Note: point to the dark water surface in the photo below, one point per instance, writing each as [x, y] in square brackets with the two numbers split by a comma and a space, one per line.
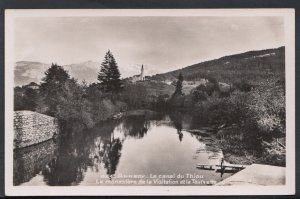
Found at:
[136, 150]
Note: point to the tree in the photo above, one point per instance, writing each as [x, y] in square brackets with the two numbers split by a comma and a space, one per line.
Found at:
[178, 89]
[30, 99]
[73, 107]
[267, 107]
[177, 99]
[109, 75]
[134, 95]
[52, 86]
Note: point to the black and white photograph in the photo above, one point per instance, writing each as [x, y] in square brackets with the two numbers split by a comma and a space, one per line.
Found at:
[150, 102]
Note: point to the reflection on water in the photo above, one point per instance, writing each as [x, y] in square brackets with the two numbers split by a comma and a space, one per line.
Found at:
[31, 160]
[136, 145]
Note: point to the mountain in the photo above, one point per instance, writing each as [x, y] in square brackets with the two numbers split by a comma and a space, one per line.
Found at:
[252, 66]
[87, 71]
[27, 71]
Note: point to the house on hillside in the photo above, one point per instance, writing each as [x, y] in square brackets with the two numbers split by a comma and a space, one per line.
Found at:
[32, 85]
[139, 77]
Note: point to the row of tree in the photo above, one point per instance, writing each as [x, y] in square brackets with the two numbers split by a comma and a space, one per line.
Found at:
[61, 96]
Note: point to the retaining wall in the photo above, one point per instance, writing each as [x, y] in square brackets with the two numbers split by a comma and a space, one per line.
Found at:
[32, 128]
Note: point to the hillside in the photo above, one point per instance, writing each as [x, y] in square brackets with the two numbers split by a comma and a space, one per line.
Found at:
[252, 66]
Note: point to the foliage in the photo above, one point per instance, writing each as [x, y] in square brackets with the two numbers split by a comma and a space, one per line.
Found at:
[52, 86]
[109, 75]
[25, 99]
[135, 96]
[267, 107]
[218, 111]
[161, 102]
[102, 104]
[177, 98]
[178, 87]
[72, 106]
[199, 95]
[243, 85]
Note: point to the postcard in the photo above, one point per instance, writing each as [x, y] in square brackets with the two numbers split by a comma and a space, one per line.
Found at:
[149, 102]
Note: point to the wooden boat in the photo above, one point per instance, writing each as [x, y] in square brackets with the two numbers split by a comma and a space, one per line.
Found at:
[225, 168]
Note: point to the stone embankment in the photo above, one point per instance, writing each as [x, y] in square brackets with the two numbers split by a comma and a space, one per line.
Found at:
[32, 128]
[257, 174]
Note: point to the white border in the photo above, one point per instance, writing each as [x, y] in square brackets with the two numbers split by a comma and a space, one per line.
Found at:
[289, 188]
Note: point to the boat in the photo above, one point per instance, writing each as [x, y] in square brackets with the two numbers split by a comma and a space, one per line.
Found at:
[224, 168]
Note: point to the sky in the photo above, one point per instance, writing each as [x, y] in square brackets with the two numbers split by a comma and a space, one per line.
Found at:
[160, 43]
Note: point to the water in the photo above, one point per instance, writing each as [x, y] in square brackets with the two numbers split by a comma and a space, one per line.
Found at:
[139, 150]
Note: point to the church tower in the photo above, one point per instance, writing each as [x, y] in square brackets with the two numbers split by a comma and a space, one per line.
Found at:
[142, 73]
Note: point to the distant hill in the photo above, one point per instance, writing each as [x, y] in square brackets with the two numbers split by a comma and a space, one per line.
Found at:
[27, 71]
[87, 71]
[252, 66]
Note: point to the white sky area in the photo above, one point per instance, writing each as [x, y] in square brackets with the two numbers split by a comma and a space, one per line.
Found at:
[161, 43]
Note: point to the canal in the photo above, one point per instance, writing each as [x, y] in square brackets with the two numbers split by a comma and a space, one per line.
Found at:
[148, 150]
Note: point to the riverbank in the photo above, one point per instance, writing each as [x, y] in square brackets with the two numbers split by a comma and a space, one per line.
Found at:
[235, 151]
[257, 174]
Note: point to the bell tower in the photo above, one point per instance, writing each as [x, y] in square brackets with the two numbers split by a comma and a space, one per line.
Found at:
[142, 73]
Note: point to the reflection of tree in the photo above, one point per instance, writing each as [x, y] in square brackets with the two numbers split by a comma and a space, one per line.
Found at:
[112, 155]
[180, 135]
[66, 169]
[177, 122]
[96, 149]
[135, 126]
[68, 166]
[29, 161]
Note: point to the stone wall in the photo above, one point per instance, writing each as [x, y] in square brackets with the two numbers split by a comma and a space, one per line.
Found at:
[32, 128]
[30, 161]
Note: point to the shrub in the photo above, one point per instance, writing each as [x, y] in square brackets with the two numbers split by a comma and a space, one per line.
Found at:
[25, 98]
[72, 107]
[135, 96]
[243, 85]
[199, 95]
[267, 107]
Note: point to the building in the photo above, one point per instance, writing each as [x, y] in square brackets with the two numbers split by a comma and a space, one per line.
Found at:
[32, 85]
[140, 77]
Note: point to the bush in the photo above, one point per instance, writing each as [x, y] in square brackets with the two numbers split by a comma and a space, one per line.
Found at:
[267, 108]
[218, 111]
[243, 85]
[135, 96]
[199, 95]
[25, 99]
[72, 107]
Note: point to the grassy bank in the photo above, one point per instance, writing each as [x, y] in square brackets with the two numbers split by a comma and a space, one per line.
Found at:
[238, 151]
